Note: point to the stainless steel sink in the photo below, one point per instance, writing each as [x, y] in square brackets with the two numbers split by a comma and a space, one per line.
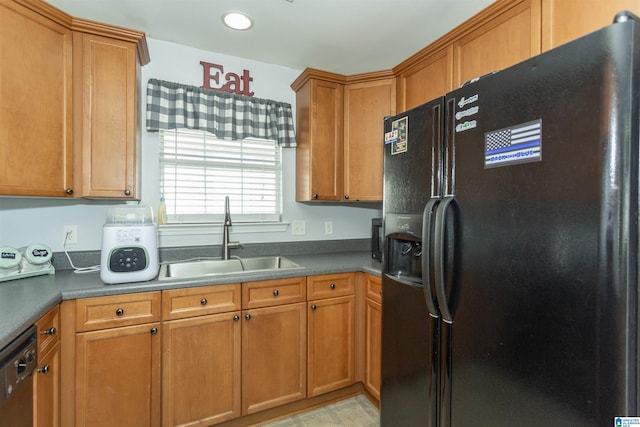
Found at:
[200, 268]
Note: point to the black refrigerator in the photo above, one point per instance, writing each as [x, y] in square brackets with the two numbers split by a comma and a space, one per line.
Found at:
[510, 257]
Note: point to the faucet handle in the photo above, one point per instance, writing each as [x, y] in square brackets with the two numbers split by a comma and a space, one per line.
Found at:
[235, 245]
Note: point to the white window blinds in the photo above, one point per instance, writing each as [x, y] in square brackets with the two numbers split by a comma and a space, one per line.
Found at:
[197, 171]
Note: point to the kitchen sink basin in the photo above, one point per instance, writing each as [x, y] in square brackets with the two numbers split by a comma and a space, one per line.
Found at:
[214, 267]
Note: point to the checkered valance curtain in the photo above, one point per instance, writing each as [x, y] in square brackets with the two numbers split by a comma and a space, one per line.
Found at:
[226, 115]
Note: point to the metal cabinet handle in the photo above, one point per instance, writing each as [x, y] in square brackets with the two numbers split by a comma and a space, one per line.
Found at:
[236, 318]
[313, 307]
[119, 312]
[203, 301]
[44, 369]
[346, 196]
[154, 331]
[315, 196]
[127, 192]
[276, 293]
[50, 331]
[332, 286]
[69, 191]
[247, 316]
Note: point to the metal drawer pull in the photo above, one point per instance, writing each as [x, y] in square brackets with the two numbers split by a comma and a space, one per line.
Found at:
[332, 286]
[203, 301]
[276, 293]
[50, 331]
[154, 331]
[119, 312]
[44, 369]
[247, 316]
[313, 307]
[236, 318]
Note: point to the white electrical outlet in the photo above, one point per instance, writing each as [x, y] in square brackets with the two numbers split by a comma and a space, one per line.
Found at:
[328, 227]
[298, 228]
[70, 234]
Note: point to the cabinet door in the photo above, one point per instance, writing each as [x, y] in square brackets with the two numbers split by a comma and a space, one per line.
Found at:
[106, 116]
[427, 79]
[319, 111]
[373, 348]
[46, 389]
[35, 104]
[565, 20]
[331, 344]
[366, 106]
[118, 377]
[201, 370]
[504, 40]
[273, 356]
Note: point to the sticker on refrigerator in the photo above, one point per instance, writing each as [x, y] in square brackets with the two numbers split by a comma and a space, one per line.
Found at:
[468, 112]
[516, 144]
[469, 124]
[390, 137]
[464, 101]
[626, 421]
[399, 143]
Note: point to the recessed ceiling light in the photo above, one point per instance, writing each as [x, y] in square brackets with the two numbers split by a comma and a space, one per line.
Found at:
[237, 20]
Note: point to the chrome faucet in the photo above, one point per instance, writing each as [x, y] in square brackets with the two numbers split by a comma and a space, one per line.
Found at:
[226, 244]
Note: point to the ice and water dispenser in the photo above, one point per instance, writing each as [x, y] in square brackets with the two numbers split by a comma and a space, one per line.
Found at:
[403, 246]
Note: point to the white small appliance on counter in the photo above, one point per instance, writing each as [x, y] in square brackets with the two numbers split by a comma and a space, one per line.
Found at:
[129, 245]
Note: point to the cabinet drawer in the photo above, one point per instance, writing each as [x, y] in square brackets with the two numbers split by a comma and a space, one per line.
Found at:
[117, 310]
[373, 287]
[273, 292]
[48, 328]
[180, 303]
[330, 285]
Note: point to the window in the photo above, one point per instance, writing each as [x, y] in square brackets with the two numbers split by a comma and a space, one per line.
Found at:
[197, 171]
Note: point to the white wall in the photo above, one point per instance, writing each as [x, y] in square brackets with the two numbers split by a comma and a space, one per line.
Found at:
[25, 220]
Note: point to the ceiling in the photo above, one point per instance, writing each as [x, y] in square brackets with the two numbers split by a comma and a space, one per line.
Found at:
[341, 36]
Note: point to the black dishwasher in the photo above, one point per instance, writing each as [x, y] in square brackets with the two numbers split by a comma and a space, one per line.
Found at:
[18, 360]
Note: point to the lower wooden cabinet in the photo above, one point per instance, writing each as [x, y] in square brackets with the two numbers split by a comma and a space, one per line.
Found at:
[110, 361]
[273, 356]
[118, 377]
[331, 344]
[331, 332]
[46, 379]
[46, 386]
[372, 334]
[201, 370]
[205, 355]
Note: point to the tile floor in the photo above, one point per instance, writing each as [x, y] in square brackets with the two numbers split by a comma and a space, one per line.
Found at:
[357, 411]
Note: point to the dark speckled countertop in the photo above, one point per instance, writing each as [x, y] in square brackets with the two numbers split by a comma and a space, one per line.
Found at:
[24, 301]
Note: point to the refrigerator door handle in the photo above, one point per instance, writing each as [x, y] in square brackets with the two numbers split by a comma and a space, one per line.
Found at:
[438, 259]
[427, 220]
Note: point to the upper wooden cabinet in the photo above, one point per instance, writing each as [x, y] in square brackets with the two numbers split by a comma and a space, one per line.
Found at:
[340, 135]
[563, 20]
[502, 35]
[365, 106]
[421, 79]
[319, 118]
[35, 100]
[69, 109]
[106, 119]
[507, 34]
